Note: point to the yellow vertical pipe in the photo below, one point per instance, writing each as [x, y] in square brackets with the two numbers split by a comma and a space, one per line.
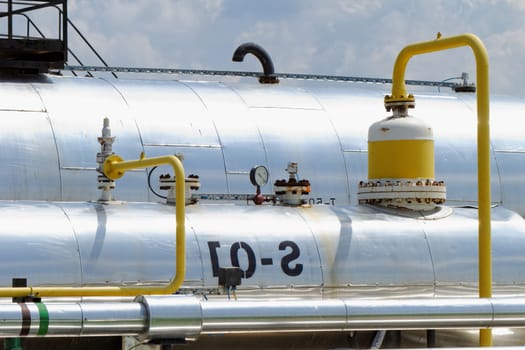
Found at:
[483, 135]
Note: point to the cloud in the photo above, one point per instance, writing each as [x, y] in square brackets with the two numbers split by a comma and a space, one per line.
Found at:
[359, 7]
[507, 50]
[152, 30]
[350, 37]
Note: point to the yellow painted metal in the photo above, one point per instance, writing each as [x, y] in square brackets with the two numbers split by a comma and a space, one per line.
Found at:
[483, 138]
[385, 162]
[114, 168]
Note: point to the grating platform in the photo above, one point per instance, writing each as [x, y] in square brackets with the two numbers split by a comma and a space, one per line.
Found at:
[32, 55]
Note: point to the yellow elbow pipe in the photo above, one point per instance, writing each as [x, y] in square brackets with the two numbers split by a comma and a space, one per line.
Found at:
[114, 168]
[399, 94]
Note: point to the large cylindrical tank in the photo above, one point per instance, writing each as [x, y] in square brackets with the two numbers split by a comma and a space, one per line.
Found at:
[282, 251]
[50, 127]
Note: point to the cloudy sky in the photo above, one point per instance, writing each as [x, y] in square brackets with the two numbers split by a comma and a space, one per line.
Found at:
[343, 37]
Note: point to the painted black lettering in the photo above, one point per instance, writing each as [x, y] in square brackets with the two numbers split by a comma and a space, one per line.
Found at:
[234, 255]
[266, 261]
[213, 246]
[287, 259]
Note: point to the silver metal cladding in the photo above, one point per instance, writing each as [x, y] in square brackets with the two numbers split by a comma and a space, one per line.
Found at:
[72, 319]
[50, 130]
[507, 313]
[107, 318]
[179, 317]
[412, 314]
[273, 316]
[172, 316]
[321, 251]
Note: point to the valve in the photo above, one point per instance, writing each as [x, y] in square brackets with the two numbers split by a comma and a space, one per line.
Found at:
[168, 182]
[192, 183]
[291, 191]
[106, 149]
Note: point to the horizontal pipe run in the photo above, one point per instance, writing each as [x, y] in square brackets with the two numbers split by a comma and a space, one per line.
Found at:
[175, 316]
[71, 319]
[115, 168]
[274, 316]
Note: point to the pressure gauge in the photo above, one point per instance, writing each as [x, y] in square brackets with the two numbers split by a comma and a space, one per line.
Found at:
[259, 175]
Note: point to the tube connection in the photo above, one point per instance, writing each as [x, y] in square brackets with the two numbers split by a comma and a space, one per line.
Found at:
[399, 94]
[106, 149]
[264, 58]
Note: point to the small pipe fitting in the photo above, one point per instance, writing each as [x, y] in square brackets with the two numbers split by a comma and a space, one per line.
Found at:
[263, 57]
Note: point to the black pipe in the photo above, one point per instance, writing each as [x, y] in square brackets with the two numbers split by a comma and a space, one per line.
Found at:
[263, 57]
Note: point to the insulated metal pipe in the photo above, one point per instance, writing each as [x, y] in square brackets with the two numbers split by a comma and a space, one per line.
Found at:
[176, 316]
[72, 319]
[338, 314]
[274, 316]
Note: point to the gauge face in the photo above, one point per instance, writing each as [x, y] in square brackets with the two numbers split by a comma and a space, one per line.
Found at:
[259, 176]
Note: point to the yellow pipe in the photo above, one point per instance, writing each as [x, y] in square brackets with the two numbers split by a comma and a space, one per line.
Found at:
[114, 168]
[399, 94]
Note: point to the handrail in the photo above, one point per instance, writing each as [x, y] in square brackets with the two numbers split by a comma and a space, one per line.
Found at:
[63, 27]
[114, 168]
[88, 44]
[54, 3]
[216, 73]
[399, 94]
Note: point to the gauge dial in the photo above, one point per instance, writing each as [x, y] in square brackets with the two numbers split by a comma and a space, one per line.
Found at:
[259, 175]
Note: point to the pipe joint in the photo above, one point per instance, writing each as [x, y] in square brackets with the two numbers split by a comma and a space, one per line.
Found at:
[264, 58]
[400, 103]
[108, 167]
[171, 316]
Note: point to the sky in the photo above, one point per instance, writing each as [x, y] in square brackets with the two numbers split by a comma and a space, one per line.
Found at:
[336, 37]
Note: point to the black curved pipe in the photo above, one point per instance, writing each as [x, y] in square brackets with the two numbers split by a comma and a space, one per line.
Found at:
[263, 57]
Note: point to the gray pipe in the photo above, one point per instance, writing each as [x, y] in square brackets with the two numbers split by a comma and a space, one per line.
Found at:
[174, 316]
[72, 319]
